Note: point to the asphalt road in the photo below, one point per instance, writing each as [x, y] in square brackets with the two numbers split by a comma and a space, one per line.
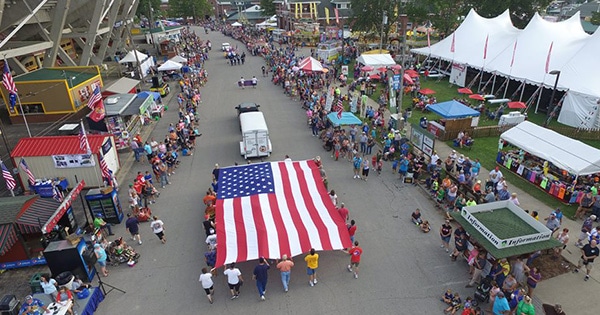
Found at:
[403, 271]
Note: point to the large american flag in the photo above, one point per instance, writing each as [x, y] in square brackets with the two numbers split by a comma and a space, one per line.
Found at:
[10, 181]
[84, 145]
[26, 169]
[275, 208]
[9, 84]
[95, 98]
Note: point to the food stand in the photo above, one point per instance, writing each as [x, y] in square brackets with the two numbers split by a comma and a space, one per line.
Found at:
[562, 167]
[455, 117]
[329, 50]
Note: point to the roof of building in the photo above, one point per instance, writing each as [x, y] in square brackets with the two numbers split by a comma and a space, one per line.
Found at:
[250, 16]
[55, 145]
[10, 207]
[73, 76]
[588, 27]
[166, 29]
[585, 10]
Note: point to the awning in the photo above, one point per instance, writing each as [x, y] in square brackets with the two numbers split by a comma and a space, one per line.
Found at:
[8, 238]
[122, 86]
[274, 208]
[63, 207]
[35, 214]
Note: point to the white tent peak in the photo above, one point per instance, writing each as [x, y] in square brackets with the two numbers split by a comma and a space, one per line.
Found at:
[130, 57]
[170, 65]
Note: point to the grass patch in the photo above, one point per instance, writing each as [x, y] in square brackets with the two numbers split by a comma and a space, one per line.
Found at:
[504, 223]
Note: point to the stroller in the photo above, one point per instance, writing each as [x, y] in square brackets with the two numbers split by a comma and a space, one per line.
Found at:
[121, 254]
[482, 293]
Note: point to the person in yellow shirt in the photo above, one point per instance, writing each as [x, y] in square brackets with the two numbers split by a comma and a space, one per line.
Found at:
[312, 263]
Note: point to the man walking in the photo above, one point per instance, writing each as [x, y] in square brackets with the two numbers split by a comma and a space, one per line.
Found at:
[132, 225]
[355, 252]
[234, 280]
[285, 267]
[261, 275]
[312, 263]
[589, 252]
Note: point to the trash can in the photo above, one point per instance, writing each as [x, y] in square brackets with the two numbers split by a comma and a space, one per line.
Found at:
[9, 305]
[34, 283]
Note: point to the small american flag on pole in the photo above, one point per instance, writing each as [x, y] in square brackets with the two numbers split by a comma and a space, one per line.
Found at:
[105, 170]
[26, 169]
[10, 181]
[95, 98]
[84, 145]
[339, 108]
[57, 194]
[9, 84]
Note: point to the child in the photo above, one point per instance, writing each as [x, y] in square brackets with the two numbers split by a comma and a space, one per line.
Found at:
[455, 304]
[416, 217]
[447, 297]
[425, 228]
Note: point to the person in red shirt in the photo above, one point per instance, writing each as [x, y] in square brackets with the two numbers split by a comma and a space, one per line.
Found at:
[352, 229]
[355, 252]
[343, 211]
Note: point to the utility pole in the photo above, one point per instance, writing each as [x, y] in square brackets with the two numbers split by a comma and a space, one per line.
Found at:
[403, 22]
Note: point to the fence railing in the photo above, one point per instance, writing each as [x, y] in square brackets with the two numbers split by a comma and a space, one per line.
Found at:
[495, 131]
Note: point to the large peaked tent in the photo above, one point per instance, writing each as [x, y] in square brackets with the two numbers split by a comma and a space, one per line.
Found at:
[525, 55]
[572, 155]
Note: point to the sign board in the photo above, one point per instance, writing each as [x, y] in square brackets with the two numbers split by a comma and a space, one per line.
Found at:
[396, 81]
[458, 74]
[392, 96]
[422, 139]
[73, 160]
[345, 70]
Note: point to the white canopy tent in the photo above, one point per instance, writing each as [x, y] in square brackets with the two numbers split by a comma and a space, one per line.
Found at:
[376, 60]
[130, 57]
[572, 155]
[236, 24]
[179, 59]
[170, 66]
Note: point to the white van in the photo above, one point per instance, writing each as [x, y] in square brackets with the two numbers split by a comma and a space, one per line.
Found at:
[255, 135]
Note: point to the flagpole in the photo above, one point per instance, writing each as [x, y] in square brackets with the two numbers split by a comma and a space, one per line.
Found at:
[7, 68]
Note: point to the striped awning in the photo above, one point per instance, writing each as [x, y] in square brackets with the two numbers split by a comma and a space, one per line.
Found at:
[35, 214]
[8, 238]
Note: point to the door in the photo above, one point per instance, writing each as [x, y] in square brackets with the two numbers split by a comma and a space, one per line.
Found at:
[262, 142]
[250, 144]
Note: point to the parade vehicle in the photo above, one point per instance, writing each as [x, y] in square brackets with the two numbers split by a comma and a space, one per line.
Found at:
[255, 135]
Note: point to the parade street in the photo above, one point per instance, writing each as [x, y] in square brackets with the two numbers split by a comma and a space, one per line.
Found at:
[403, 271]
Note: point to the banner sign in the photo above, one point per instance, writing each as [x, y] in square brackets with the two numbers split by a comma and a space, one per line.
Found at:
[73, 160]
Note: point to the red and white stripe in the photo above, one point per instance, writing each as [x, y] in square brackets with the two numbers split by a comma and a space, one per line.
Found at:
[298, 216]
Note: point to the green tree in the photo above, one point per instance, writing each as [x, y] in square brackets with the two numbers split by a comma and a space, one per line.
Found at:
[268, 7]
[595, 18]
[367, 15]
[521, 11]
[194, 8]
[143, 8]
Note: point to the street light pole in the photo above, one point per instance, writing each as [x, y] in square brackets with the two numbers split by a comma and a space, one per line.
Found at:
[551, 104]
[384, 21]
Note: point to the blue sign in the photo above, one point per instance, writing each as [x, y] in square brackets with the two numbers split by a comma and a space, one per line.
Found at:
[23, 263]
[396, 82]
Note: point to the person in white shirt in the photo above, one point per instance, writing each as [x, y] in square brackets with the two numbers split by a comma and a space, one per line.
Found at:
[234, 280]
[211, 240]
[158, 228]
[207, 284]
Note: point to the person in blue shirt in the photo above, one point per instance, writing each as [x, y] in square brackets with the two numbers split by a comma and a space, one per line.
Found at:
[501, 305]
[261, 275]
[33, 306]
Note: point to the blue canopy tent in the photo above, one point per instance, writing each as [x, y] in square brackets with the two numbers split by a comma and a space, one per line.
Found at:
[155, 96]
[347, 119]
[453, 110]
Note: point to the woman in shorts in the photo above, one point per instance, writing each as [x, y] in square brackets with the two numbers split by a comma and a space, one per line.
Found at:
[207, 284]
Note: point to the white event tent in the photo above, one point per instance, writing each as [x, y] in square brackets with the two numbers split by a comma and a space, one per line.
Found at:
[376, 60]
[525, 55]
[572, 155]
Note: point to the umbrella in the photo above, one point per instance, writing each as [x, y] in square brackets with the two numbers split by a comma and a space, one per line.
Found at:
[412, 73]
[408, 79]
[367, 68]
[294, 68]
[396, 67]
[374, 77]
[236, 24]
[517, 105]
[426, 91]
[310, 64]
[477, 97]
[382, 69]
[465, 91]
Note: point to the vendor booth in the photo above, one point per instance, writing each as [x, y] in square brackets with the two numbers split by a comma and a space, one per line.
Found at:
[121, 86]
[156, 109]
[37, 221]
[455, 117]
[131, 60]
[49, 94]
[329, 50]
[504, 230]
[124, 117]
[61, 156]
[561, 166]
[376, 60]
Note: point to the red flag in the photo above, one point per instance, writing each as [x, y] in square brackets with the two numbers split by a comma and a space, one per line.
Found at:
[485, 47]
[512, 60]
[548, 58]
[337, 15]
[289, 213]
[452, 46]
[428, 40]
[339, 108]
